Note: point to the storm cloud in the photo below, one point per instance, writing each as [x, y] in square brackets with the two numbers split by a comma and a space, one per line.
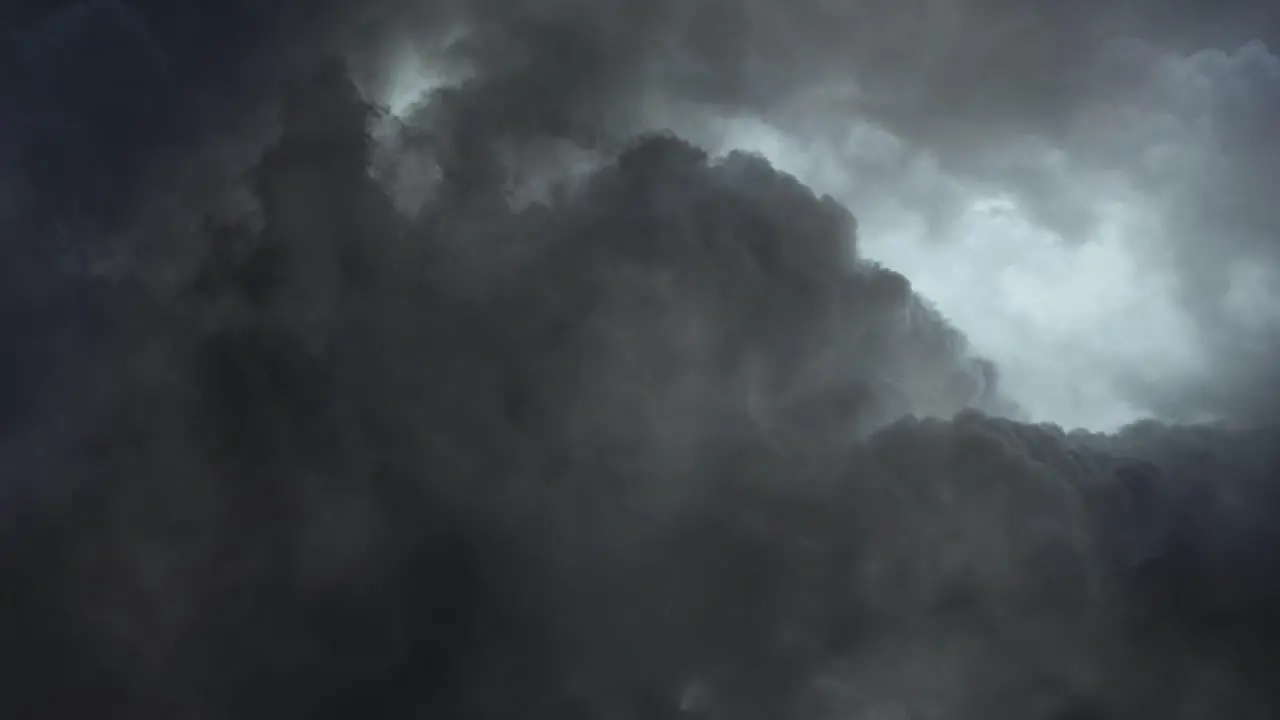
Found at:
[532, 398]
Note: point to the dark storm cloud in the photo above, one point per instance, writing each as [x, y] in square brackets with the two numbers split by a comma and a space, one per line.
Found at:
[991, 89]
[646, 448]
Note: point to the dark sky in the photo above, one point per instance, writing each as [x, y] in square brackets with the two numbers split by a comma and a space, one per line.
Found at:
[666, 440]
[98, 91]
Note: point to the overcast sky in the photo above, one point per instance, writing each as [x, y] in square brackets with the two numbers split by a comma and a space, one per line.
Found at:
[232, 372]
[1088, 190]
[1104, 227]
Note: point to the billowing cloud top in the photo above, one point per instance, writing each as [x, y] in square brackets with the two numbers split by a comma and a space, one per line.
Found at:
[525, 400]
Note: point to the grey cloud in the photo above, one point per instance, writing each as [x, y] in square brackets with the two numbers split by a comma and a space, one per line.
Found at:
[1195, 132]
[663, 443]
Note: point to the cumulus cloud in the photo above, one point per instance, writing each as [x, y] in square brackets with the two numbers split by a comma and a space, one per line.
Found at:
[507, 405]
[1134, 133]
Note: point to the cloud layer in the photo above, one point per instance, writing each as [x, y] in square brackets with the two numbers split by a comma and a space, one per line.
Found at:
[507, 407]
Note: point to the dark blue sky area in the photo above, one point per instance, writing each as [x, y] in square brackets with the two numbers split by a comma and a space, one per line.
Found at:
[88, 91]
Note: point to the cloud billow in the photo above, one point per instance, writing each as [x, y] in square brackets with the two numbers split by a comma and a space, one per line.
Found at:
[660, 441]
